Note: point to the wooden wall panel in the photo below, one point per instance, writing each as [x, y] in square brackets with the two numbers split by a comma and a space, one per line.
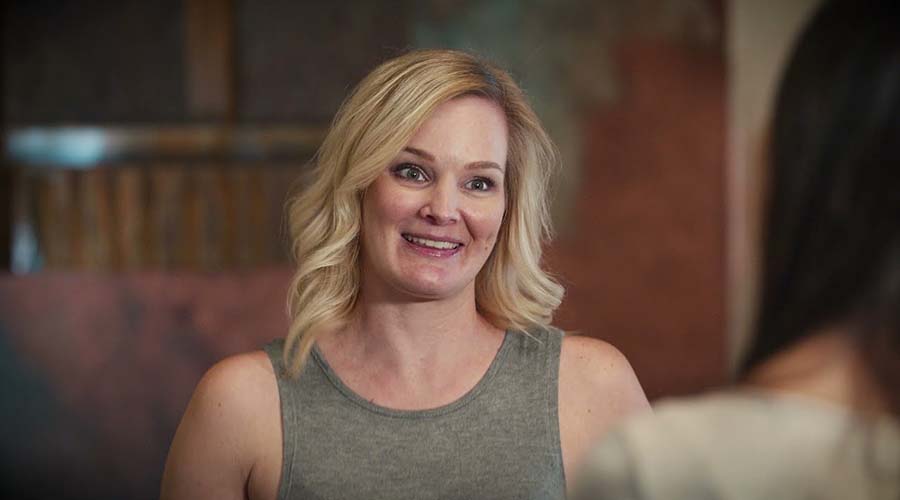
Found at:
[130, 237]
[204, 217]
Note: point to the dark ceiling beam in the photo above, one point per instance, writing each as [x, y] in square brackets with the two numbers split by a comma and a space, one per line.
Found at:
[209, 60]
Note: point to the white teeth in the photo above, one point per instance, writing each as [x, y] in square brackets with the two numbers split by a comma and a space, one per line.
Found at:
[440, 245]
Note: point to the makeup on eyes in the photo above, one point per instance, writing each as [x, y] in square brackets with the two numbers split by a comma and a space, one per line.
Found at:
[414, 173]
[404, 171]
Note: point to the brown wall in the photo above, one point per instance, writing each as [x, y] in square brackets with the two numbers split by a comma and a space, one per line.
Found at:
[644, 270]
[97, 370]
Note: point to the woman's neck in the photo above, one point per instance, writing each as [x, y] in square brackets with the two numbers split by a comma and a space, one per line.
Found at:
[419, 327]
[828, 366]
[413, 354]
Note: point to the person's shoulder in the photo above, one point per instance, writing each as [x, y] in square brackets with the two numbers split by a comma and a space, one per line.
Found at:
[591, 350]
[771, 421]
[596, 368]
[689, 445]
[250, 366]
[234, 390]
[230, 424]
[246, 364]
[238, 385]
[649, 456]
[597, 390]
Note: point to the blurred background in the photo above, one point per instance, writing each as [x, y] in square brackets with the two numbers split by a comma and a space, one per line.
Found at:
[149, 147]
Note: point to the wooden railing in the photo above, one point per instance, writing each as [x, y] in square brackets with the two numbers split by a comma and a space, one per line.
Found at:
[188, 199]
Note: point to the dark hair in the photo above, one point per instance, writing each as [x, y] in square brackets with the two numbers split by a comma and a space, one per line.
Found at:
[831, 241]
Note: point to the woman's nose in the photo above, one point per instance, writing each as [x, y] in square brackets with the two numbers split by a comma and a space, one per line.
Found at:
[442, 206]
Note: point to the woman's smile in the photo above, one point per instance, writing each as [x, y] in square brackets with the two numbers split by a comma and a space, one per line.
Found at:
[433, 246]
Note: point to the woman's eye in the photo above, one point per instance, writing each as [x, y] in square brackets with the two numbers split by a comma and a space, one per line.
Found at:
[480, 184]
[410, 173]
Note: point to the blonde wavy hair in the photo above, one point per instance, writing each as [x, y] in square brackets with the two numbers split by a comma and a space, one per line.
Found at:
[371, 127]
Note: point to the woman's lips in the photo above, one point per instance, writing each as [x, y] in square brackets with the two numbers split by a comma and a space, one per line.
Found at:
[431, 246]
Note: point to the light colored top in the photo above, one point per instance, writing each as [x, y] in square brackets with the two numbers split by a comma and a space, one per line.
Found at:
[746, 445]
[500, 440]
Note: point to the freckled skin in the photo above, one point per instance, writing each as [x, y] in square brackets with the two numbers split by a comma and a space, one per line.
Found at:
[438, 194]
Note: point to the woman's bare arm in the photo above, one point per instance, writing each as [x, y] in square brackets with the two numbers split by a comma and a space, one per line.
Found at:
[225, 432]
[597, 389]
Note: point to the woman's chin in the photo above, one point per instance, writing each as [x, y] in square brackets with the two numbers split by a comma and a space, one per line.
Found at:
[422, 290]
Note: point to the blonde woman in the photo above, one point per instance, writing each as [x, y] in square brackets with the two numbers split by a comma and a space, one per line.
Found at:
[420, 362]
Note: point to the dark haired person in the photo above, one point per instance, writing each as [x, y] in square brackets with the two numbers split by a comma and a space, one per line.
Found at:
[816, 414]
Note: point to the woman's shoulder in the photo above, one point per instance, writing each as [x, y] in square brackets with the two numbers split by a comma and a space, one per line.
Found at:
[597, 389]
[595, 368]
[237, 394]
[237, 390]
[239, 373]
[229, 428]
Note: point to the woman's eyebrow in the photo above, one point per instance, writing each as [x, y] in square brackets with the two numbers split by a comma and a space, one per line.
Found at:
[471, 166]
[482, 165]
[418, 152]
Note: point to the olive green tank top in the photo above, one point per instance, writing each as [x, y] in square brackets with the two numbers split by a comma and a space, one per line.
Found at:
[500, 440]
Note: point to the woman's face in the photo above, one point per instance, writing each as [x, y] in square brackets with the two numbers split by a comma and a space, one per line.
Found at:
[430, 220]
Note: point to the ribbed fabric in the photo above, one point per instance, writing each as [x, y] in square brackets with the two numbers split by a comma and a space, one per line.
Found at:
[499, 441]
[746, 445]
